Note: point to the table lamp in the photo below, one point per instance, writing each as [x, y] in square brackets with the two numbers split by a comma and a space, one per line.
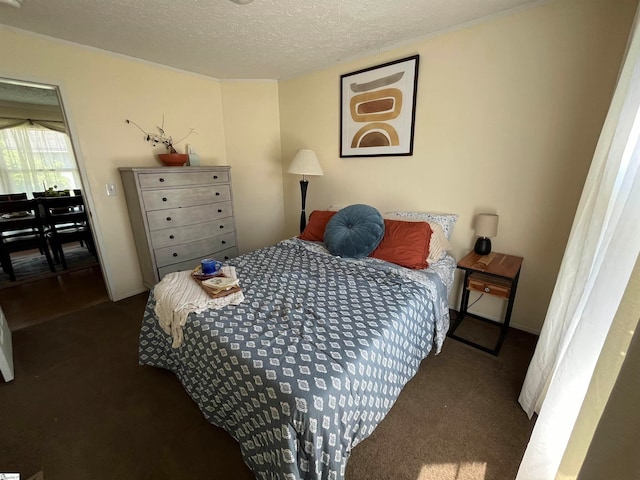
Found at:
[304, 163]
[486, 227]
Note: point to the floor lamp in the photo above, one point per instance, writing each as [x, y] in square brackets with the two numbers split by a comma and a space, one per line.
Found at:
[304, 163]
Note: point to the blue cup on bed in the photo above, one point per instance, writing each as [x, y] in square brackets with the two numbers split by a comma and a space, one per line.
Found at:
[210, 266]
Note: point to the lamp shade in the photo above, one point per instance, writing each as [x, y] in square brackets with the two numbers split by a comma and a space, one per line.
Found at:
[486, 225]
[305, 162]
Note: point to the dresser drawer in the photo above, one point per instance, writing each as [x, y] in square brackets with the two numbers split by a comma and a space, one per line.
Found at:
[182, 179]
[489, 285]
[193, 250]
[185, 197]
[179, 217]
[177, 235]
[191, 264]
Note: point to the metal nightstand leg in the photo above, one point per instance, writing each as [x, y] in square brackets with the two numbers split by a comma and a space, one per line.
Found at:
[507, 317]
[504, 327]
[464, 301]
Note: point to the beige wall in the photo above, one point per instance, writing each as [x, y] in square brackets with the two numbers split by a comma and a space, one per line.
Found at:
[508, 116]
[252, 136]
[100, 91]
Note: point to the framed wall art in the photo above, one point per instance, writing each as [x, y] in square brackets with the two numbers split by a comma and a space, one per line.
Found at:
[378, 108]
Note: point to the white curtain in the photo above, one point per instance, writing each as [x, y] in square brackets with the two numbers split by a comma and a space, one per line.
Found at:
[602, 249]
[34, 158]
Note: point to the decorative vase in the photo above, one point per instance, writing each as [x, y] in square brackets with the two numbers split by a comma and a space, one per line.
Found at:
[483, 246]
[173, 159]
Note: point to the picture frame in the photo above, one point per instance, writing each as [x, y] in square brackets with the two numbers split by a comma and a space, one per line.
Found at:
[378, 108]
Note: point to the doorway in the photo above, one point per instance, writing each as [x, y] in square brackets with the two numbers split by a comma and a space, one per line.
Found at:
[37, 159]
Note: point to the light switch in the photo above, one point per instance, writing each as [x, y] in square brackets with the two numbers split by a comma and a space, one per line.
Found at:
[111, 189]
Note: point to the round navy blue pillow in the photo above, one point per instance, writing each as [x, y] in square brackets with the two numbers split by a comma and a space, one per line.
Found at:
[354, 232]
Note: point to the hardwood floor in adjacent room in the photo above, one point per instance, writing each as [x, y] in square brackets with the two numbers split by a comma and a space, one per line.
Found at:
[36, 301]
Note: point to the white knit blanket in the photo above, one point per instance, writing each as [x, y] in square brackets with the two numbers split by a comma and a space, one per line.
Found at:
[178, 294]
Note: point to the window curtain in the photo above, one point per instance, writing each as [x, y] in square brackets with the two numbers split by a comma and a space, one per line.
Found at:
[602, 249]
[34, 158]
[16, 122]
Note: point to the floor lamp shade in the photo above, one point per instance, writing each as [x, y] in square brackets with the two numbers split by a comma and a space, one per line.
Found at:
[305, 162]
[486, 227]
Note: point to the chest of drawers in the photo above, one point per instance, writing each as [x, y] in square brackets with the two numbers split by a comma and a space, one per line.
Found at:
[179, 216]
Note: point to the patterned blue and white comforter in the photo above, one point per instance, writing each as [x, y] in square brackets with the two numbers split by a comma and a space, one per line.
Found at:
[313, 359]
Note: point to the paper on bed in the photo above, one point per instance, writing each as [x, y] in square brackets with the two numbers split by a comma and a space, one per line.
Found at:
[177, 295]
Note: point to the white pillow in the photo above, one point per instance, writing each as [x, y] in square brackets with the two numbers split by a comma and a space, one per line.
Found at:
[438, 245]
[446, 220]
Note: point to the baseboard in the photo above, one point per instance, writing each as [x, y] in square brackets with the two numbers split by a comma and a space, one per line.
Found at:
[525, 329]
[130, 293]
[511, 325]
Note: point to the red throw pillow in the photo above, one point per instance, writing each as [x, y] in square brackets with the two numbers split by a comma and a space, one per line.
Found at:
[404, 243]
[314, 231]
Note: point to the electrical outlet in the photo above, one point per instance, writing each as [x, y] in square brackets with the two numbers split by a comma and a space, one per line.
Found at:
[111, 189]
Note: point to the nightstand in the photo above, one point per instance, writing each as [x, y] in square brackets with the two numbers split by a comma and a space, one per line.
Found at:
[495, 274]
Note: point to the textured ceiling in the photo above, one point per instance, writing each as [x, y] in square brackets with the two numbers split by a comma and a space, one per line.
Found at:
[265, 39]
[11, 92]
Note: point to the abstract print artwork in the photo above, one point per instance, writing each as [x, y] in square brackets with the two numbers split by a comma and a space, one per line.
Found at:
[377, 109]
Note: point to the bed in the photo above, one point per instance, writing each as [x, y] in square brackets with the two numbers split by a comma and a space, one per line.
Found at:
[312, 359]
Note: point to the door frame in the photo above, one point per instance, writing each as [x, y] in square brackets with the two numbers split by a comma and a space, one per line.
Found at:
[82, 171]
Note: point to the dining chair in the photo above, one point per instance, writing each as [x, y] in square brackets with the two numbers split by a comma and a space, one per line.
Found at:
[8, 197]
[21, 229]
[61, 193]
[66, 221]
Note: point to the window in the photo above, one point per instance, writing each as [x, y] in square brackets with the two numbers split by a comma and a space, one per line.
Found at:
[33, 158]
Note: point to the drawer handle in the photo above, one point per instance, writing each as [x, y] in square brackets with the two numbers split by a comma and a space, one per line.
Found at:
[215, 177]
[221, 226]
[164, 199]
[487, 289]
[171, 237]
[168, 219]
[224, 242]
[219, 210]
[161, 180]
[175, 254]
[217, 194]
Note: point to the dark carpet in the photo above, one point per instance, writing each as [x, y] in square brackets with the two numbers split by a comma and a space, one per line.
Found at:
[81, 407]
[31, 265]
